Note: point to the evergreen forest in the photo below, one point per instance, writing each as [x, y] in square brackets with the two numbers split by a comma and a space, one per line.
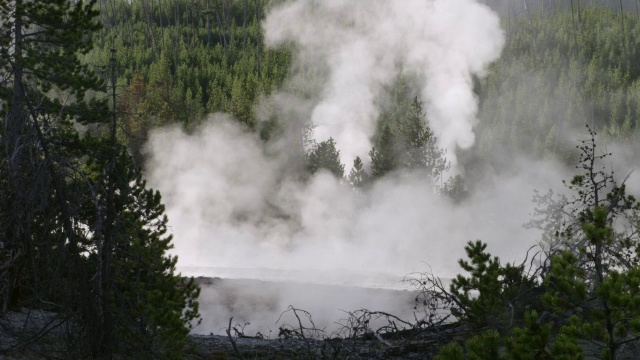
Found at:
[86, 267]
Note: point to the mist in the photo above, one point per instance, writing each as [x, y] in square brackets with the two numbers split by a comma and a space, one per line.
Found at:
[233, 215]
[442, 44]
[239, 209]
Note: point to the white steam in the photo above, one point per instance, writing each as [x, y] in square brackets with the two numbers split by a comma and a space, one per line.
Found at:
[366, 44]
[234, 215]
[238, 210]
[230, 208]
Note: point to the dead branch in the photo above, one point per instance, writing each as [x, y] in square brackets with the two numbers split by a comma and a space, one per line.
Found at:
[233, 342]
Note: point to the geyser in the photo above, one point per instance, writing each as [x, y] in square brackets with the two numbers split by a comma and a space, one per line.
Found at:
[365, 44]
[235, 202]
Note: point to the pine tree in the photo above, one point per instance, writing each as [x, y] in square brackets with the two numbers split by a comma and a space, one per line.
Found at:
[407, 144]
[154, 308]
[492, 294]
[592, 277]
[419, 145]
[82, 237]
[43, 96]
[358, 177]
[325, 156]
[383, 157]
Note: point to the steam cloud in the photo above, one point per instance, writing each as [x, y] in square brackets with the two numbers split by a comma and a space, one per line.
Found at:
[237, 205]
[234, 215]
[365, 44]
[230, 207]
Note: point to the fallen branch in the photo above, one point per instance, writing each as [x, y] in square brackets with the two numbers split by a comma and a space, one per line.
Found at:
[382, 340]
[233, 342]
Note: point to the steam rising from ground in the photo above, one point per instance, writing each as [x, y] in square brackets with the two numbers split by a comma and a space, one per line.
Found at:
[235, 203]
[365, 44]
[230, 207]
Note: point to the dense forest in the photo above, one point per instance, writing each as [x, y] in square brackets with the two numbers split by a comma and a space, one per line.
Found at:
[208, 57]
[84, 243]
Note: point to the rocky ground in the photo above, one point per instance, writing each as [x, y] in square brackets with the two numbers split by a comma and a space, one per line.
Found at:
[423, 346]
[265, 306]
[292, 340]
[221, 347]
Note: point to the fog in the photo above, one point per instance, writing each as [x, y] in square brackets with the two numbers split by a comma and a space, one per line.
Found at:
[239, 209]
[364, 44]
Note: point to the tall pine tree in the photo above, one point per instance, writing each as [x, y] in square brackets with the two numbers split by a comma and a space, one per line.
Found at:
[81, 236]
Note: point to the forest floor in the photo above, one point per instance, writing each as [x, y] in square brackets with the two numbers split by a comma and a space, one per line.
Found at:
[260, 305]
[422, 346]
[221, 347]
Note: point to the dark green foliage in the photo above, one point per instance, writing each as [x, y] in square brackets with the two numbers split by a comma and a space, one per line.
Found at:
[184, 59]
[383, 158]
[407, 144]
[456, 189]
[155, 308]
[534, 341]
[604, 300]
[358, 177]
[590, 290]
[492, 295]
[480, 347]
[531, 341]
[484, 346]
[565, 282]
[42, 95]
[597, 266]
[83, 239]
[325, 156]
[554, 76]
[589, 297]
[451, 351]
[418, 144]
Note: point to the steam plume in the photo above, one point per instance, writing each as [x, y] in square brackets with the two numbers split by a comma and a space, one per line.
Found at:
[230, 208]
[365, 44]
[234, 205]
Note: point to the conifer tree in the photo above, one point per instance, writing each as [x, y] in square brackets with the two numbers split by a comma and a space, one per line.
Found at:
[82, 237]
[325, 156]
[407, 144]
[153, 307]
[43, 96]
[358, 177]
[589, 290]
[383, 157]
[594, 269]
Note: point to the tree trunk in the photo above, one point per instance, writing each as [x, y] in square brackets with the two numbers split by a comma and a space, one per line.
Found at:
[579, 14]
[259, 51]
[123, 11]
[226, 10]
[14, 155]
[176, 38]
[146, 18]
[111, 237]
[221, 27]
[161, 25]
[115, 18]
[131, 21]
[103, 22]
[622, 17]
[16, 121]
[176, 8]
[208, 23]
[573, 25]
[526, 7]
[244, 27]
